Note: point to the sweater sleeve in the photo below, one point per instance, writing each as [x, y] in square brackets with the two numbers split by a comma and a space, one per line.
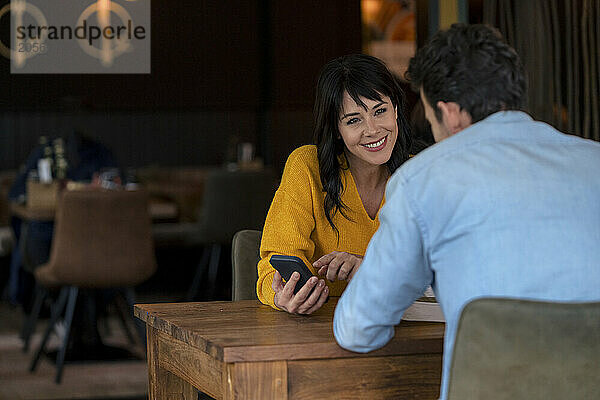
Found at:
[290, 220]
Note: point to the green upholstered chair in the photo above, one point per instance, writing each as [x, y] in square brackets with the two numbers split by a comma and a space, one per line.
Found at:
[245, 254]
[232, 201]
[518, 349]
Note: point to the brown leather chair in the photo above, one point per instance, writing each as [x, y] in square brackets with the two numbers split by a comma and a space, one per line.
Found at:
[518, 349]
[102, 239]
[245, 254]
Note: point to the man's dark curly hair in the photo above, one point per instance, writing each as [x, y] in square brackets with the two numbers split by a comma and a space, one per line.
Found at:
[472, 66]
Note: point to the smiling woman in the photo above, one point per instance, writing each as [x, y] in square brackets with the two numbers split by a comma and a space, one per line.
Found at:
[327, 206]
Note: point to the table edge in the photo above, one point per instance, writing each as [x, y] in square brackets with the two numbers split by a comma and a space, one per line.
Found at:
[231, 354]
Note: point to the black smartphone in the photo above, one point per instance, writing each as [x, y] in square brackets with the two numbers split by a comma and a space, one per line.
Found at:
[286, 265]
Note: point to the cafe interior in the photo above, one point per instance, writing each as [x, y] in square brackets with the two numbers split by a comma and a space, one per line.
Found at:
[179, 167]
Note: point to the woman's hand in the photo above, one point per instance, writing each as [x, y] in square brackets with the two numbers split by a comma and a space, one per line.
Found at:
[301, 302]
[338, 265]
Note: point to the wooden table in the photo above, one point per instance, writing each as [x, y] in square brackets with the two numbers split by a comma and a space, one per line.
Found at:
[158, 210]
[32, 214]
[244, 350]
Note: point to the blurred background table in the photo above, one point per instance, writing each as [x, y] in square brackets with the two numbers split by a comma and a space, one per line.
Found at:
[159, 209]
[32, 214]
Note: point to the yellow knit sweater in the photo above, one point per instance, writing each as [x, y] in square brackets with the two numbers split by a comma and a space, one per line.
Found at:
[296, 224]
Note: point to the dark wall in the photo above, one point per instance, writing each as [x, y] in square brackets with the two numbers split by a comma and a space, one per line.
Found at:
[220, 70]
[203, 56]
[305, 35]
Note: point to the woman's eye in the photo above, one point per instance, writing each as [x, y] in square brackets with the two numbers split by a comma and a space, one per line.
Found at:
[380, 111]
[352, 121]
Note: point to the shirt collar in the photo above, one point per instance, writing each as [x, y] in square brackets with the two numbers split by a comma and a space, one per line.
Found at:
[507, 116]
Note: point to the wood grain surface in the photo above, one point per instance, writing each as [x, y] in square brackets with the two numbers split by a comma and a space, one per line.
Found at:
[257, 380]
[249, 331]
[389, 377]
[244, 350]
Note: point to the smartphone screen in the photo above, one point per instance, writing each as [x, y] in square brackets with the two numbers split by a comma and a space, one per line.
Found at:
[286, 265]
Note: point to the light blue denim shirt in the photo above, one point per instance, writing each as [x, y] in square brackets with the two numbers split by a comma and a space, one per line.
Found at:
[508, 207]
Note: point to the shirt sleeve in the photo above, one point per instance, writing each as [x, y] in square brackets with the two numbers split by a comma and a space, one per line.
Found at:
[288, 226]
[393, 274]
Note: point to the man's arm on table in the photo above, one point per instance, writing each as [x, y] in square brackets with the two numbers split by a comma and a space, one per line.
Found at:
[393, 274]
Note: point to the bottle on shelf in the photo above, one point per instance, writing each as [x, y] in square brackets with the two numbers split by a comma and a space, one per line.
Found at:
[131, 180]
[60, 161]
[45, 162]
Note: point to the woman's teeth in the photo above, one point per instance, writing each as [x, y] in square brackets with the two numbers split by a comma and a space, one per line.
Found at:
[376, 144]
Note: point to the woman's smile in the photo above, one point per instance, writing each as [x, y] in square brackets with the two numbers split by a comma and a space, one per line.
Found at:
[376, 146]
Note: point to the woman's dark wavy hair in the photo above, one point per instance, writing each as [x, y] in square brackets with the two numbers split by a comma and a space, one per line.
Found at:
[472, 66]
[361, 76]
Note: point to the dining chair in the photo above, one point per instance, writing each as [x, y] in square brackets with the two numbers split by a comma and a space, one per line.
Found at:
[102, 239]
[245, 254]
[232, 201]
[520, 349]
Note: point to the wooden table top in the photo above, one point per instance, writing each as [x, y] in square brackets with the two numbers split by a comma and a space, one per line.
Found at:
[158, 210]
[32, 214]
[249, 331]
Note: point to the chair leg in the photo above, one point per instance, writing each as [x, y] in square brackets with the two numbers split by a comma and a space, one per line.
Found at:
[41, 293]
[125, 313]
[60, 358]
[139, 326]
[57, 310]
[104, 325]
[213, 268]
[202, 265]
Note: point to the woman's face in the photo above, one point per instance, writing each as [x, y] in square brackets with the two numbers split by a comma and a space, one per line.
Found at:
[369, 134]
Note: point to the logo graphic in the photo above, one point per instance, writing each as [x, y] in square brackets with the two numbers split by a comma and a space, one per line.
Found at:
[17, 9]
[78, 36]
[107, 52]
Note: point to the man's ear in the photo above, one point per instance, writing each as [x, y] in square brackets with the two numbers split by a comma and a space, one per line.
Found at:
[453, 118]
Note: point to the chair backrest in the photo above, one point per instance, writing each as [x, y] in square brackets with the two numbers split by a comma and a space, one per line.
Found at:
[102, 238]
[518, 349]
[234, 201]
[245, 254]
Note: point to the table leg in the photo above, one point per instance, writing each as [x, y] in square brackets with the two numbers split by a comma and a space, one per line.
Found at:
[256, 380]
[163, 385]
